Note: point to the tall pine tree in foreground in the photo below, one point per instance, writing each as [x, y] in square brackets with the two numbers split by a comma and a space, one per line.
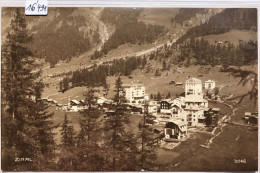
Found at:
[90, 156]
[120, 144]
[66, 156]
[147, 156]
[26, 129]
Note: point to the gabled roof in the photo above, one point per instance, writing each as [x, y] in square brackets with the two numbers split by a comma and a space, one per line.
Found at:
[193, 80]
[75, 101]
[132, 85]
[174, 105]
[209, 81]
[167, 100]
[178, 123]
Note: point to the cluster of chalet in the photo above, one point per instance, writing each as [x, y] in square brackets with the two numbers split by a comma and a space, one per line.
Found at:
[190, 110]
[134, 94]
[72, 106]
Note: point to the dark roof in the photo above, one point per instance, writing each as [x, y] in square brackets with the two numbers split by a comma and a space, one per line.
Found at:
[174, 123]
[170, 125]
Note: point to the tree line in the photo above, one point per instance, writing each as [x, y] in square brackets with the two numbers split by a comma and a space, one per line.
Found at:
[97, 75]
[218, 54]
[127, 29]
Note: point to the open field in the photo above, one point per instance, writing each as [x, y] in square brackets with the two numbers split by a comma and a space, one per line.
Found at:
[224, 109]
[74, 93]
[165, 157]
[159, 16]
[233, 36]
[223, 150]
[224, 81]
[58, 118]
[247, 105]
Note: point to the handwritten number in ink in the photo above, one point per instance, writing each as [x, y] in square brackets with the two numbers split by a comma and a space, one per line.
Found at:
[33, 6]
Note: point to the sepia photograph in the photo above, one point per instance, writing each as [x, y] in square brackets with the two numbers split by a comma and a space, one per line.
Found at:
[129, 89]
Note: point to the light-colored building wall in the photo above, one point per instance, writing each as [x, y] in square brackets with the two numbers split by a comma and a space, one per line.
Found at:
[134, 92]
[210, 84]
[178, 114]
[193, 116]
[74, 108]
[193, 88]
[166, 111]
[196, 103]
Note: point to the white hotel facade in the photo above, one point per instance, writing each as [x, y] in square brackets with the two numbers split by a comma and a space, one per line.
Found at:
[134, 93]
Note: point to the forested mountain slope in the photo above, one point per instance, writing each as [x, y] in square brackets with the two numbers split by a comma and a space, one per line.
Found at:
[228, 19]
[127, 29]
[62, 34]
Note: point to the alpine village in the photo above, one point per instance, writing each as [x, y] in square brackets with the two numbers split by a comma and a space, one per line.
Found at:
[129, 89]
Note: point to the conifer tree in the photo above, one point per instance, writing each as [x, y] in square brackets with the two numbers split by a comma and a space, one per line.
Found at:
[119, 142]
[90, 156]
[29, 133]
[168, 95]
[88, 124]
[151, 96]
[106, 88]
[147, 152]
[159, 97]
[67, 133]
[164, 65]
[66, 156]
[61, 85]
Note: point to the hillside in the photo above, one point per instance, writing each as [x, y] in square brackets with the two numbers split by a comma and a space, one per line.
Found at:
[224, 21]
[228, 85]
[127, 29]
[64, 33]
[227, 38]
[232, 36]
[158, 16]
[175, 31]
[188, 13]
